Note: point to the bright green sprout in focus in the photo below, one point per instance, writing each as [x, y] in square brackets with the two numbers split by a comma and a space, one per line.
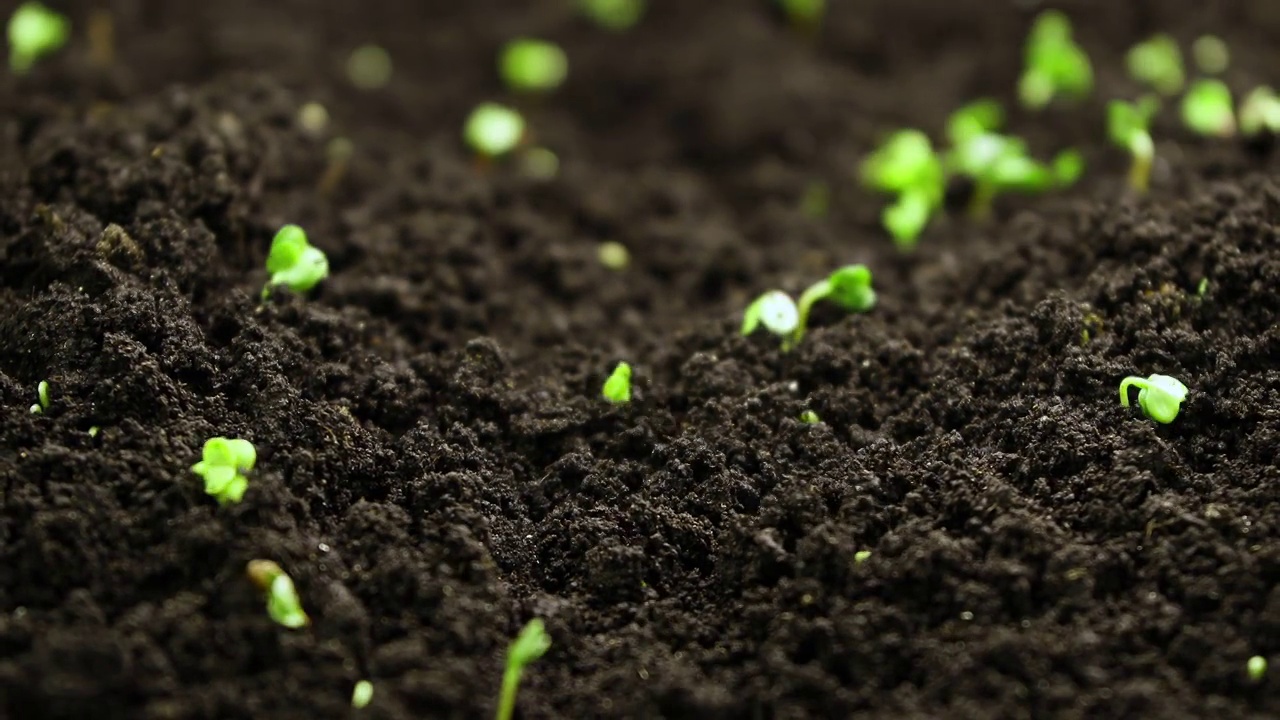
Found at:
[1211, 54]
[223, 467]
[494, 130]
[1257, 668]
[1207, 109]
[809, 417]
[805, 15]
[616, 15]
[529, 65]
[35, 31]
[1260, 113]
[617, 389]
[531, 644]
[283, 604]
[1159, 396]
[1127, 126]
[369, 67]
[907, 166]
[42, 396]
[1157, 62]
[861, 556]
[613, 255]
[777, 312]
[362, 694]
[1055, 66]
[294, 262]
[849, 287]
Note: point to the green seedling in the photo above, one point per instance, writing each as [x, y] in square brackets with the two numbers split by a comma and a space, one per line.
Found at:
[616, 15]
[975, 119]
[809, 417]
[907, 166]
[223, 467]
[1207, 109]
[1127, 126]
[1260, 113]
[1157, 62]
[1203, 287]
[804, 15]
[1159, 396]
[1256, 668]
[369, 67]
[42, 398]
[94, 430]
[1211, 54]
[283, 604]
[34, 32]
[294, 262]
[617, 389]
[861, 556]
[539, 163]
[494, 130]
[777, 312]
[1055, 66]
[1068, 167]
[907, 217]
[849, 287]
[362, 694]
[531, 644]
[529, 65]
[613, 255]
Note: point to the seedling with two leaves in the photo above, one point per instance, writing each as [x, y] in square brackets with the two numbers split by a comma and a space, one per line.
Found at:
[1159, 396]
[848, 287]
[42, 398]
[906, 166]
[294, 262]
[617, 389]
[1055, 66]
[1128, 125]
[34, 31]
[223, 467]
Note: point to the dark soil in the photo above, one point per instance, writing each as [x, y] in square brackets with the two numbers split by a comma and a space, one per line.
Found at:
[436, 466]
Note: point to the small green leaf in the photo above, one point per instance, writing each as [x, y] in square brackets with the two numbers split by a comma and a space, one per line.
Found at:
[809, 417]
[906, 160]
[617, 388]
[1256, 668]
[362, 694]
[1068, 167]
[294, 262]
[976, 118]
[531, 644]
[529, 65]
[615, 15]
[1157, 62]
[850, 288]
[1207, 108]
[283, 604]
[1211, 54]
[775, 310]
[1260, 112]
[493, 130]
[1159, 396]
[907, 218]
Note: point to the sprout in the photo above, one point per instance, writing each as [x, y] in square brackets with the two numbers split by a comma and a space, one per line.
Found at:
[369, 67]
[313, 118]
[861, 556]
[616, 15]
[283, 604]
[995, 162]
[849, 287]
[494, 130]
[531, 644]
[42, 397]
[804, 14]
[613, 255]
[1054, 65]
[1157, 62]
[1127, 125]
[809, 417]
[1159, 396]
[1211, 54]
[777, 312]
[1203, 287]
[361, 694]
[977, 118]
[529, 65]
[1260, 113]
[35, 31]
[223, 466]
[1207, 108]
[94, 430]
[906, 165]
[294, 262]
[617, 389]
[539, 163]
[1068, 166]
[906, 218]
[1256, 667]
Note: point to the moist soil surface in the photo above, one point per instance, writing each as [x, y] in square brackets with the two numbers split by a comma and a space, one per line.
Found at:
[436, 465]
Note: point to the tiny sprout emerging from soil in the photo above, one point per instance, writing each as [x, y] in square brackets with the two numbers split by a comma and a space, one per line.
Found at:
[1260, 113]
[861, 556]
[223, 467]
[977, 118]
[809, 417]
[93, 431]
[35, 31]
[494, 130]
[369, 67]
[849, 287]
[294, 262]
[1159, 396]
[283, 604]
[1257, 668]
[907, 166]
[1157, 62]
[1207, 108]
[1054, 64]
[777, 312]
[531, 644]
[313, 118]
[42, 396]
[616, 15]
[529, 65]
[613, 255]
[617, 389]
[1203, 287]
[539, 163]
[804, 14]
[361, 694]
[1211, 54]
[1127, 125]
[997, 163]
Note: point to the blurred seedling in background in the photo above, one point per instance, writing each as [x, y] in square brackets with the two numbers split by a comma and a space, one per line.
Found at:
[906, 165]
[531, 644]
[1157, 63]
[34, 32]
[809, 417]
[615, 15]
[848, 287]
[283, 604]
[1159, 396]
[1260, 113]
[362, 694]
[1256, 668]
[804, 15]
[294, 262]
[369, 67]
[1211, 54]
[1127, 126]
[1054, 65]
[613, 255]
[494, 130]
[42, 396]
[529, 65]
[777, 312]
[617, 388]
[1208, 109]
[223, 467]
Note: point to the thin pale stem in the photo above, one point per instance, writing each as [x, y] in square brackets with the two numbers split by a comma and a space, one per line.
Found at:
[1131, 381]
